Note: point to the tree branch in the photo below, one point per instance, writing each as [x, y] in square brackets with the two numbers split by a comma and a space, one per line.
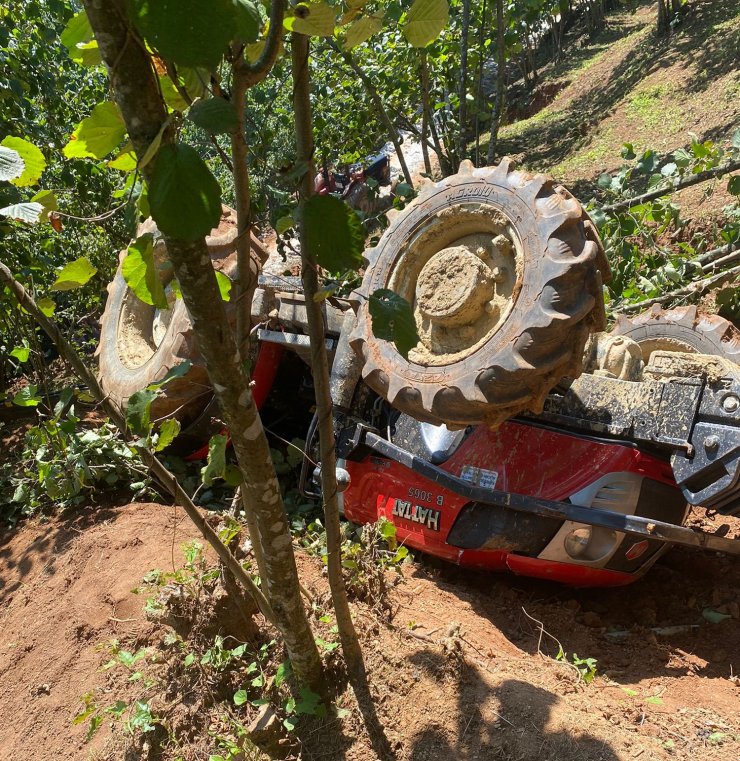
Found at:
[249, 74]
[378, 103]
[694, 179]
[692, 289]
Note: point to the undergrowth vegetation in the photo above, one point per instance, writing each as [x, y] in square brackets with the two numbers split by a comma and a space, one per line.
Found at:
[653, 251]
[210, 672]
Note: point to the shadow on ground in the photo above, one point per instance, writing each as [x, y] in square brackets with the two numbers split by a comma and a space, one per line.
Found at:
[510, 722]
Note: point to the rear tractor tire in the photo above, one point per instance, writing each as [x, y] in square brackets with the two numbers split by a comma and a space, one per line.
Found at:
[140, 344]
[504, 273]
[682, 329]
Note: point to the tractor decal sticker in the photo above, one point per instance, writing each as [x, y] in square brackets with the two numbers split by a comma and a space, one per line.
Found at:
[479, 477]
[426, 516]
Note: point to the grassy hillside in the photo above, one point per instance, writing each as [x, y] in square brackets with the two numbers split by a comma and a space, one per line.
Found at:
[627, 85]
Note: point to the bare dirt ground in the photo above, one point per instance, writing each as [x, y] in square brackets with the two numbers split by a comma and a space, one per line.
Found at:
[459, 669]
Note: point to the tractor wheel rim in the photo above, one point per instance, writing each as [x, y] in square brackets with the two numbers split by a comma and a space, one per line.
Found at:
[461, 274]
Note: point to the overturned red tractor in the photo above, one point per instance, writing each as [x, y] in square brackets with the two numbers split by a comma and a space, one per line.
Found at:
[516, 434]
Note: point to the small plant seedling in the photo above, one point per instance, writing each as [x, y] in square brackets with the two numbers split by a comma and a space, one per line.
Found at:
[586, 667]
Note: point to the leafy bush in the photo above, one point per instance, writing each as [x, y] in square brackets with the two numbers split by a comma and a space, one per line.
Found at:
[64, 463]
[643, 242]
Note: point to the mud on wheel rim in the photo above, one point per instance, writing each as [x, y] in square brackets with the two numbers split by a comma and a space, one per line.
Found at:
[504, 273]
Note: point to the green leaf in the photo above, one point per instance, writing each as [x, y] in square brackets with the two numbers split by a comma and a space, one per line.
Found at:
[284, 224]
[404, 189]
[11, 164]
[86, 53]
[95, 722]
[309, 702]
[48, 201]
[316, 19]
[117, 709]
[138, 411]
[322, 643]
[284, 670]
[171, 95]
[334, 234]
[34, 160]
[77, 30]
[153, 147]
[27, 396]
[140, 272]
[361, 30]
[167, 433]
[240, 697]
[188, 32]
[224, 286]
[425, 20]
[29, 212]
[184, 197]
[387, 530]
[47, 306]
[393, 320]
[21, 353]
[74, 275]
[682, 157]
[98, 134]
[214, 115]
[669, 169]
[628, 151]
[736, 139]
[216, 464]
[178, 371]
[125, 161]
[247, 20]
[733, 185]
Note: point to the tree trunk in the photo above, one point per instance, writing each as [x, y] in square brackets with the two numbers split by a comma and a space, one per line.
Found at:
[136, 91]
[479, 80]
[160, 473]
[319, 359]
[664, 26]
[423, 142]
[324, 412]
[498, 102]
[445, 165]
[463, 85]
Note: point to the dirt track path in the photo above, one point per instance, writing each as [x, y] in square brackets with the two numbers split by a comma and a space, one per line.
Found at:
[456, 674]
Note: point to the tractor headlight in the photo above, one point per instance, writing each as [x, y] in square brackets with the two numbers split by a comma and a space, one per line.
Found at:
[576, 542]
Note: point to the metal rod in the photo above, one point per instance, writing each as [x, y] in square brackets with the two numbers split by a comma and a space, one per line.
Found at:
[629, 524]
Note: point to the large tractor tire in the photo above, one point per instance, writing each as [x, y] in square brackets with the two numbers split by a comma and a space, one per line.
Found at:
[682, 329]
[140, 344]
[504, 273]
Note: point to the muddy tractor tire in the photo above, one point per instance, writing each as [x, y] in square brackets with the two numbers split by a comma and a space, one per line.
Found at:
[682, 329]
[140, 344]
[504, 273]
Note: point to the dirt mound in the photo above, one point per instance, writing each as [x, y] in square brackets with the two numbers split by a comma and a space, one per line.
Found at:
[65, 589]
[459, 671]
